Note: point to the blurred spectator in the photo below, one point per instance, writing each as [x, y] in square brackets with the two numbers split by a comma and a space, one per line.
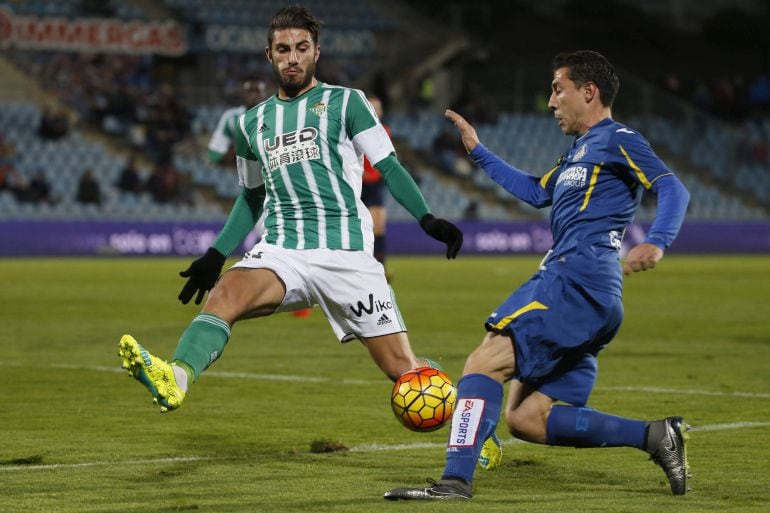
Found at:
[759, 94]
[702, 97]
[672, 83]
[450, 154]
[7, 149]
[164, 183]
[5, 171]
[186, 190]
[89, 191]
[53, 124]
[471, 212]
[39, 190]
[167, 123]
[129, 180]
[14, 182]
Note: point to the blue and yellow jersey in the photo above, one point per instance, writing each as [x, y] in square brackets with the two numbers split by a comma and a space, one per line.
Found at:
[597, 185]
[595, 189]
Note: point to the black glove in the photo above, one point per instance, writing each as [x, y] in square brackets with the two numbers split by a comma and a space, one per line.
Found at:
[444, 231]
[201, 275]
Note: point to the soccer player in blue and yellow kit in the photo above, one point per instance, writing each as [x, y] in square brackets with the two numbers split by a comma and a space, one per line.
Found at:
[545, 337]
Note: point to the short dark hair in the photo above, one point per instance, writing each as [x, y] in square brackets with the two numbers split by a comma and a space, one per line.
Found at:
[588, 66]
[294, 16]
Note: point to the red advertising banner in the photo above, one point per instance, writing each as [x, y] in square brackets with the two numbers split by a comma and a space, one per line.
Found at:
[103, 35]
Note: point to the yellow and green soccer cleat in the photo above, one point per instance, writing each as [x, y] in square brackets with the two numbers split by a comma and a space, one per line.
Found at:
[491, 453]
[154, 373]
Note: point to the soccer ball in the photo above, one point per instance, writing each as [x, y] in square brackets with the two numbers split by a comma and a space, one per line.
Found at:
[423, 399]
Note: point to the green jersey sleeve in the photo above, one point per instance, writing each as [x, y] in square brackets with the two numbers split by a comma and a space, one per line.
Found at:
[243, 216]
[402, 186]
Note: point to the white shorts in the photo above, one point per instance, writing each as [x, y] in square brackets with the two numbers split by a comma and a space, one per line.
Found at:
[349, 286]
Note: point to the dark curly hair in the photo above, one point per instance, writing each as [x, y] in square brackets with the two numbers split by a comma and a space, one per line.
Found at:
[588, 66]
[294, 16]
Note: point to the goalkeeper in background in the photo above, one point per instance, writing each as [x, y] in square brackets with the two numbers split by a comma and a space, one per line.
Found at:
[300, 160]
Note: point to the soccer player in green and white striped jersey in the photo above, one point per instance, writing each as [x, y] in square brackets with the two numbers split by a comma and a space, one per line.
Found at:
[223, 138]
[300, 159]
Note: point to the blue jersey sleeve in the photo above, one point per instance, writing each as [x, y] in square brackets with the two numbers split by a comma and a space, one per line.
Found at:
[630, 151]
[526, 187]
[672, 205]
[636, 155]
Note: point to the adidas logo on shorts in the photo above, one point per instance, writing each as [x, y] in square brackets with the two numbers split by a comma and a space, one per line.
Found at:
[383, 320]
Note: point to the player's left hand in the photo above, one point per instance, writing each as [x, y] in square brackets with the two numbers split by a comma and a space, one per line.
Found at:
[642, 257]
[467, 132]
[201, 276]
[444, 231]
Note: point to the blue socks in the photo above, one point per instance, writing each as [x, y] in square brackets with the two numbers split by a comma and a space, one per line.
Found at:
[479, 401]
[583, 427]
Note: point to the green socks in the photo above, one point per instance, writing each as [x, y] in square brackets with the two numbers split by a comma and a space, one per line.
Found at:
[201, 344]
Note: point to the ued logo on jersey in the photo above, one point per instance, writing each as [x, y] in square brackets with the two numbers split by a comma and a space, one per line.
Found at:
[292, 147]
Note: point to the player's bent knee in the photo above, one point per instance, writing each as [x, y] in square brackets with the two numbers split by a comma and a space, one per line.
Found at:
[521, 426]
[527, 423]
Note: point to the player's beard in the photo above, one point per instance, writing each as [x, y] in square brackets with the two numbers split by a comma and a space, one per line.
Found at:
[293, 85]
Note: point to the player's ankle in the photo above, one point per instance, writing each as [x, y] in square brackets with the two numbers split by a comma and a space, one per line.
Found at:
[183, 373]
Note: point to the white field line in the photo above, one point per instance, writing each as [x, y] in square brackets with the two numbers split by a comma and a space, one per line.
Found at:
[67, 466]
[359, 448]
[684, 391]
[511, 441]
[345, 381]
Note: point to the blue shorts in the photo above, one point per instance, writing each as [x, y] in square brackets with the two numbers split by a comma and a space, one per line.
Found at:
[373, 194]
[558, 326]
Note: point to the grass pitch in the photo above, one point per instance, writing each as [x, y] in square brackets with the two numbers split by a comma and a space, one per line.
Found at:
[79, 436]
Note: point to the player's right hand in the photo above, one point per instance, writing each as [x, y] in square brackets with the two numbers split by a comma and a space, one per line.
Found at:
[641, 258]
[443, 231]
[201, 276]
[467, 132]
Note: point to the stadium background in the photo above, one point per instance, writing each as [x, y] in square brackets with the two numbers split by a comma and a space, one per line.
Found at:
[289, 420]
[90, 85]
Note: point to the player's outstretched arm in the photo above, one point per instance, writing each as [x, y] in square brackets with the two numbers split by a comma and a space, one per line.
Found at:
[522, 185]
[203, 273]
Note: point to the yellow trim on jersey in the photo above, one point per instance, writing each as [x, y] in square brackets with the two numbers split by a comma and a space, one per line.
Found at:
[534, 305]
[591, 185]
[659, 177]
[639, 173]
[544, 179]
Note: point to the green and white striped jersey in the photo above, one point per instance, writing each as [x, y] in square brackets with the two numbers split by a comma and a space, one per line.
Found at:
[308, 152]
[224, 133]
